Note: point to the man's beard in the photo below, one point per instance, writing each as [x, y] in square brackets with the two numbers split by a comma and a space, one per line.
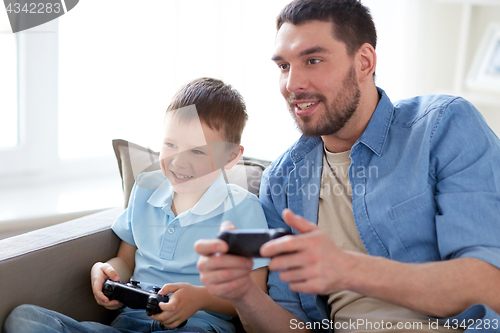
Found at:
[336, 114]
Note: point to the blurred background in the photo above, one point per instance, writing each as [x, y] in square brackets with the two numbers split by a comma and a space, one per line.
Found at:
[107, 70]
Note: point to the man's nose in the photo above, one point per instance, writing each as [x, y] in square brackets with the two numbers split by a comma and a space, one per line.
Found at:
[297, 80]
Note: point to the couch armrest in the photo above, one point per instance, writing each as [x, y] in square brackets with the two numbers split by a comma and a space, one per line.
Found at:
[50, 267]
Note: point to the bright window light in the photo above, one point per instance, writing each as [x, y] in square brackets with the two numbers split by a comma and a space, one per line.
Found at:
[119, 70]
[8, 85]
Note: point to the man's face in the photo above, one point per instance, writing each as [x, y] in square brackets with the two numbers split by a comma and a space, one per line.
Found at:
[318, 78]
[192, 154]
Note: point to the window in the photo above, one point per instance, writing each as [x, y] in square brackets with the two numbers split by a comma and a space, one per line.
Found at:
[8, 85]
[118, 74]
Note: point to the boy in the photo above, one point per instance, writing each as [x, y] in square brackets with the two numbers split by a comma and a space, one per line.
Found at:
[168, 211]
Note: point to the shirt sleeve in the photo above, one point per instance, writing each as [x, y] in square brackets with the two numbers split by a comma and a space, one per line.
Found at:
[465, 160]
[279, 291]
[122, 227]
[249, 215]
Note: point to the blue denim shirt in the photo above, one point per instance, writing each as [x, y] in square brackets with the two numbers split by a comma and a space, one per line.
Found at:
[425, 178]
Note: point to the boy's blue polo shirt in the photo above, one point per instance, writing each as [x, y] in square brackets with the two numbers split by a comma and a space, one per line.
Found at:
[165, 243]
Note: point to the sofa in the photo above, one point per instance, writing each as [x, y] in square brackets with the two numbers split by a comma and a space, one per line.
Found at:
[50, 267]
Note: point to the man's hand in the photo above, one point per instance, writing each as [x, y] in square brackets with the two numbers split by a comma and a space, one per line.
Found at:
[225, 276]
[182, 304]
[229, 277]
[310, 262]
[99, 273]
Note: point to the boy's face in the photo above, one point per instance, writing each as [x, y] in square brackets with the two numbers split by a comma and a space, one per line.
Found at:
[192, 154]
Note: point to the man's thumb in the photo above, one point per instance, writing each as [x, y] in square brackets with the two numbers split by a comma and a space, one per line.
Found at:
[297, 222]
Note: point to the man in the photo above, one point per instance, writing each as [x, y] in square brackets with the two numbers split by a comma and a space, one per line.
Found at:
[404, 198]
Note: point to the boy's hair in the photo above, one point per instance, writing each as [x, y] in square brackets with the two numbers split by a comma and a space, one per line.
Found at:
[218, 105]
[352, 22]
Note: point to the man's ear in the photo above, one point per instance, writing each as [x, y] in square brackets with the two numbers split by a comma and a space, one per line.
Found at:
[234, 156]
[367, 61]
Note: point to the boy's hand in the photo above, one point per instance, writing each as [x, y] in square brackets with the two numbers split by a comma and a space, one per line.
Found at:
[99, 273]
[183, 303]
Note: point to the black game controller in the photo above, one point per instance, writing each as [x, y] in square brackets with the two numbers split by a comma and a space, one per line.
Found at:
[131, 295]
[247, 242]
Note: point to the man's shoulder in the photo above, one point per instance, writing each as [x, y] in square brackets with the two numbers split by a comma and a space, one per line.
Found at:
[422, 109]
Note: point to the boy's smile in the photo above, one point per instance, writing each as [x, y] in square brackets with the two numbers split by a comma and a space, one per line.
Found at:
[181, 178]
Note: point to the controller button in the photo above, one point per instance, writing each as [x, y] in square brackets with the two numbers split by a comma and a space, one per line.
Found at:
[156, 289]
[134, 283]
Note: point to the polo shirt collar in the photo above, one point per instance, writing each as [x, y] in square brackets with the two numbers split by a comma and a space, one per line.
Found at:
[213, 198]
[162, 196]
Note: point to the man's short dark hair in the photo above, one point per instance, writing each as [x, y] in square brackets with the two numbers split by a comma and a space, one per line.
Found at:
[218, 105]
[352, 22]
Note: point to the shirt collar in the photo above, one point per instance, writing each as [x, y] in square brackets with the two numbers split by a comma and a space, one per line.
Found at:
[162, 196]
[303, 147]
[375, 134]
[213, 197]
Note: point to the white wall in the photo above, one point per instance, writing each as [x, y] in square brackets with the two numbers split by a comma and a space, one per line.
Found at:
[418, 49]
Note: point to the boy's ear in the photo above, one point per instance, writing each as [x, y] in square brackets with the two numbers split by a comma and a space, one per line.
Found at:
[234, 156]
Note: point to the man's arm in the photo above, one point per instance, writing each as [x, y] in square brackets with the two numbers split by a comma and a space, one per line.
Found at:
[439, 289]
[215, 304]
[228, 277]
[313, 264]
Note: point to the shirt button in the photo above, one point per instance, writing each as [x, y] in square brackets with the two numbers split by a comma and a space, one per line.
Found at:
[171, 230]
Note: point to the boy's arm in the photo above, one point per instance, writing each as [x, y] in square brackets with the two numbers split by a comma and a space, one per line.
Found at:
[124, 262]
[119, 268]
[187, 299]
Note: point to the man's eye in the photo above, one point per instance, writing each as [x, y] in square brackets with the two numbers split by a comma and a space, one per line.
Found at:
[283, 66]
[197, 152]
[313, 61]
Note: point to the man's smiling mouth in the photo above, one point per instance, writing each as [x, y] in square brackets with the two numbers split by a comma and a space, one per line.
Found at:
[304, 106]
